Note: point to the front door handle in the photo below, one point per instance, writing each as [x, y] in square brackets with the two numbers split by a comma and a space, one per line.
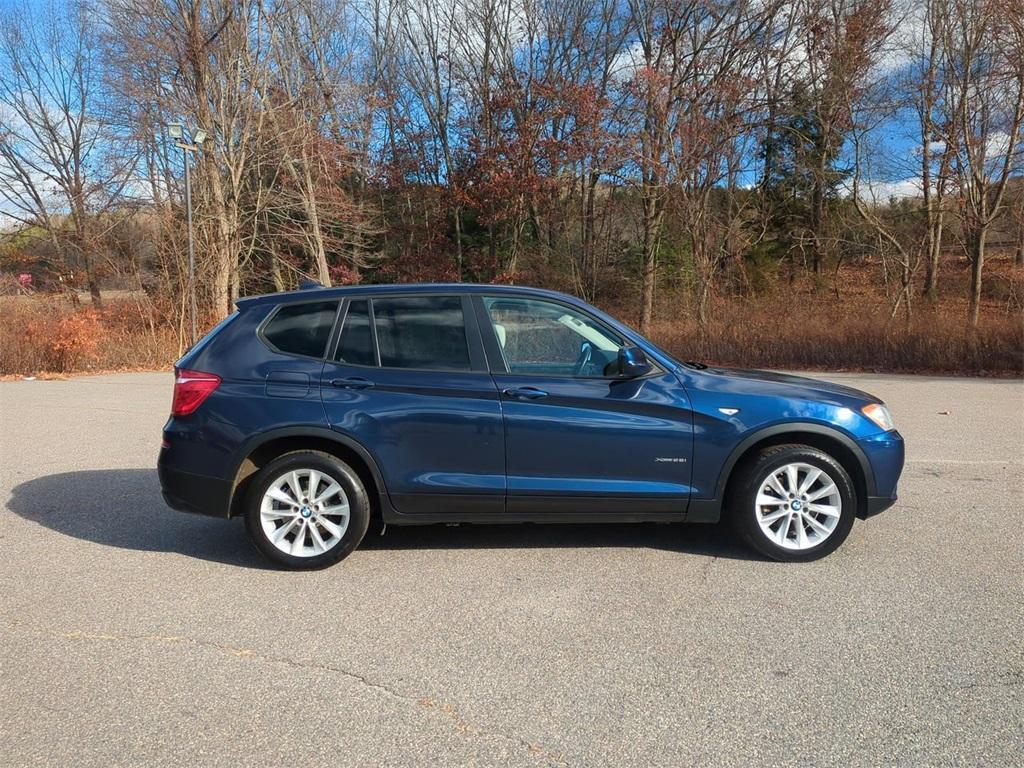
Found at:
[524, 393]
[353, 382]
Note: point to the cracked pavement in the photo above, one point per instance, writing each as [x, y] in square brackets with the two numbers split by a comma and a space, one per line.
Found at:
[134, 635]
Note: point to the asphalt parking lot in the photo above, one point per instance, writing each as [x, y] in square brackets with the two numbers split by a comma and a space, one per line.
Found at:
[132, 634]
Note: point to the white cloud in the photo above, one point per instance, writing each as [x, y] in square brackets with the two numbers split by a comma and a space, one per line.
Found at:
[907, 39]
[997, 146]
[880, 192]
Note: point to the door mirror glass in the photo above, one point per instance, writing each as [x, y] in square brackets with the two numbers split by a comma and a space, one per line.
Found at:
[633, 363]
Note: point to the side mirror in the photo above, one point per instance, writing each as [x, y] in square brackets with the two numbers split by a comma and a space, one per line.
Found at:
[632, 363]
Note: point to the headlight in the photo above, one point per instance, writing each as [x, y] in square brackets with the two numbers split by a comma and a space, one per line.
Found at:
[879, 414]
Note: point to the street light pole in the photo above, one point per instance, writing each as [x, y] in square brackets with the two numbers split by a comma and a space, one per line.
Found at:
[189, 145]
[191, 248]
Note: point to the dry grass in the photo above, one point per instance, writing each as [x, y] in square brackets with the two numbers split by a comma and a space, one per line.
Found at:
[820, 339]
[792, 326]
[50, 334]
[803, 327]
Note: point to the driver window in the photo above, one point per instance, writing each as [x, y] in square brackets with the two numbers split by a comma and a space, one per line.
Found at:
[550, 339]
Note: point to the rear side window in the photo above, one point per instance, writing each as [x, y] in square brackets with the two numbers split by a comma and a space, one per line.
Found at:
[421, 332]
[356, 344]
[302, 329]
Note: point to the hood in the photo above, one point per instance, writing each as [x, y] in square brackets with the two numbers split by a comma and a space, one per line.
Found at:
[785, 385]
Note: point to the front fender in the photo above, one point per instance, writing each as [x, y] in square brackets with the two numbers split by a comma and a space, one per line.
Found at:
[709, 509]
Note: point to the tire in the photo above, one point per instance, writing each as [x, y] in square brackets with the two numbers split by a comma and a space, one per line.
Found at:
[327, 533]
[782, 519]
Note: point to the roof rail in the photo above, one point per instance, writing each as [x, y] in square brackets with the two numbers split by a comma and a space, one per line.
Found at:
[306, 284]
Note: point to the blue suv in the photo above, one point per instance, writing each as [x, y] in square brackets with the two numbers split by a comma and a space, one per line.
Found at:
[314, 412]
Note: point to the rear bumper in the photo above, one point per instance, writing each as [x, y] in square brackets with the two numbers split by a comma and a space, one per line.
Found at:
[189, 492]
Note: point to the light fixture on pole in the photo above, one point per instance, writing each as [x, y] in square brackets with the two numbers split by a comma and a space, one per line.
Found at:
[188, 145]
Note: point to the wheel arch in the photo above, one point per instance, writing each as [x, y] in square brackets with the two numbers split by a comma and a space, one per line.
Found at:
[268, 446]
[837, 444]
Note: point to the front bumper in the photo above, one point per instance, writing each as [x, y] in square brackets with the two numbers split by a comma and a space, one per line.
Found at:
[886, 453]
[876, 504]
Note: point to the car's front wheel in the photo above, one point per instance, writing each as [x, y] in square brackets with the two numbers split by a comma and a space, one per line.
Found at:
[793, 503]
[307, 510]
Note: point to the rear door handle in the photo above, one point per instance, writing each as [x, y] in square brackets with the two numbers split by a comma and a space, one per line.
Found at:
[524, 393]
[353, 382]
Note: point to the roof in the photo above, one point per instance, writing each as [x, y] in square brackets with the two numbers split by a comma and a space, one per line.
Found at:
[339, 292]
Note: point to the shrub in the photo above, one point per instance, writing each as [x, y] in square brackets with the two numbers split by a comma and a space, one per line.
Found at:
[48, 334]
[823, 336]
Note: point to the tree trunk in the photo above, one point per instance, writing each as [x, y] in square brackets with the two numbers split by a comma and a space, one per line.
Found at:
[458, 243]
[977, 254]
[275, 274]
[817, 218]
[316, 236]
[588, 255]
[94, 290]
[650, 262]
[81, 244]
[703, 297]
[931, 275]
[224, 248]
[933, 207]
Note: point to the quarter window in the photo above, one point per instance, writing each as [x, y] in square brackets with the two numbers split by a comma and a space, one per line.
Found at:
[302, 329]
[421, 332]
[356, 344]
[545, 338]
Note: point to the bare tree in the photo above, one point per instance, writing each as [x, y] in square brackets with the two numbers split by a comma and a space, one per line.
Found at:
[935, 156]
[984, 74]
[577, 54]
[313, 110]
[56, 171]
[720, 97]
[1017, 219]
[654, 109]
[694, 93]
[906, 248]
[212, 55]
[840, 38]
[428, 72]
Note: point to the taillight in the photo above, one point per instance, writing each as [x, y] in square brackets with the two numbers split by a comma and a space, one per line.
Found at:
[191, 388]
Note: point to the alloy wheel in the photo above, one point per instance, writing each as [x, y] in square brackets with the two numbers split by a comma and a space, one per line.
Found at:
[798, 506]
[304, 513]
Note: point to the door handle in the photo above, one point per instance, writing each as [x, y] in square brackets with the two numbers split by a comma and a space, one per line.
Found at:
[524, 393]
[353, 382]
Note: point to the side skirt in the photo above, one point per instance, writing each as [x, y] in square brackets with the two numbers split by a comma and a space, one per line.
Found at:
[455, 508]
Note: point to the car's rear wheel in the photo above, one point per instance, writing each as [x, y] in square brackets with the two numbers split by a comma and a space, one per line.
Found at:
[307, 510]
[793, 503]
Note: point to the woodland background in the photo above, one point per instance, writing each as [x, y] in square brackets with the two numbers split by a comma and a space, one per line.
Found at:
[783, 183]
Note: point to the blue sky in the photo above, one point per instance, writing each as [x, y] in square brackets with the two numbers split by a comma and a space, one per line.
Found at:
[893, 142]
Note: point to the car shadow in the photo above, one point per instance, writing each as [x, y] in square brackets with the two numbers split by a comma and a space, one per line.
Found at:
[706, 540]
[123, 508]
